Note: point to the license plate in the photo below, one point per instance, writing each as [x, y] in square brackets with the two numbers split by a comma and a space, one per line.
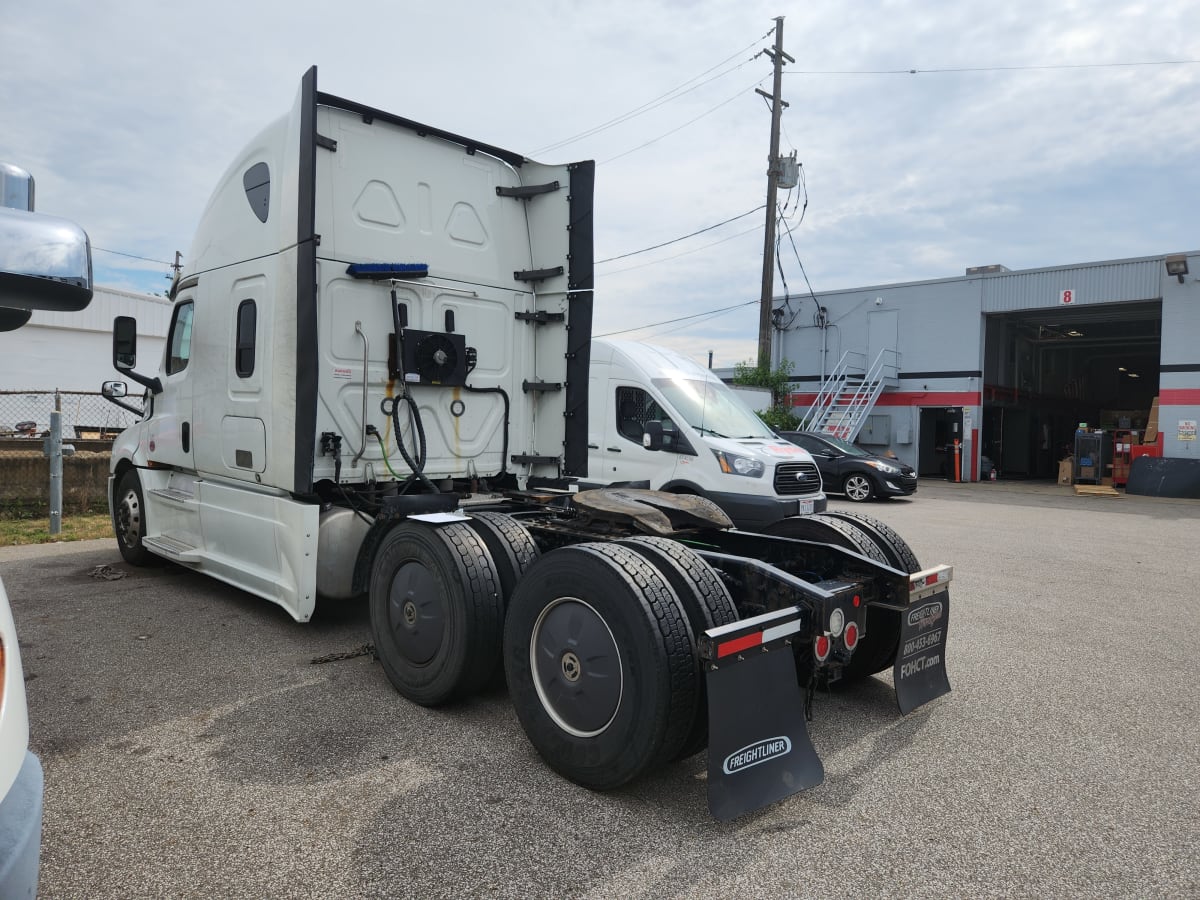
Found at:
[806, 508]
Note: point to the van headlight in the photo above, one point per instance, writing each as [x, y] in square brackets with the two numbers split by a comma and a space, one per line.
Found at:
[732, 464]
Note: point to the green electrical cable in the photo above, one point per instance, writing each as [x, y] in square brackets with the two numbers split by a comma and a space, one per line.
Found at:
[383, 450]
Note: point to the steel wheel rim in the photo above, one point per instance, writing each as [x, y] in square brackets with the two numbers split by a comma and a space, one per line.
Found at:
[416, 613]
[129, 519]
[576, 667]
[857, 488]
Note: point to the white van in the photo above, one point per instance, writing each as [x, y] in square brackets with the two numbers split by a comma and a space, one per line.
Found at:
[712, 444]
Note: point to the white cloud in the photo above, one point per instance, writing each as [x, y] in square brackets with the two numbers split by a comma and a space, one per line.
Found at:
[127, 119]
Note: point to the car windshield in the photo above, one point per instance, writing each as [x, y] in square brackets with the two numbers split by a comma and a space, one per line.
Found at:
[845, 446]
[712, 408]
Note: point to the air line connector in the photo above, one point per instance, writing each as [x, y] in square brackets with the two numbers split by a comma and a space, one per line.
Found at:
[331, 444]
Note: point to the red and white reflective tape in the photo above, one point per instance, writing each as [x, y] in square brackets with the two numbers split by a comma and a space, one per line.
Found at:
[757, 638]
[930, 581]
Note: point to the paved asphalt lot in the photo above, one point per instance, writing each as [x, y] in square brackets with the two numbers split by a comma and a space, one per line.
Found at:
[191, 749]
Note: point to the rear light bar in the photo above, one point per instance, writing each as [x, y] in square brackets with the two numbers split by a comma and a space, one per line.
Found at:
[928, 582]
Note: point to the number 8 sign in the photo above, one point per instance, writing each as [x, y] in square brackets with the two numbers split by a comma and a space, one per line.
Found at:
[1066, 298]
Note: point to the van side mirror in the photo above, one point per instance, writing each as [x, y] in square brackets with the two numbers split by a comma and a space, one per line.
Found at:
[652, 435]
[124, 342]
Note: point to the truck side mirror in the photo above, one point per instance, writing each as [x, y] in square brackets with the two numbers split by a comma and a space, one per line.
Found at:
[114, 389]
[652, 435]
[124, 342]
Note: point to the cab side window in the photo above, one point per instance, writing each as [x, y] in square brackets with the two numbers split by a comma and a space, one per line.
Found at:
[243, 350]
[634, 409]
[180, 338]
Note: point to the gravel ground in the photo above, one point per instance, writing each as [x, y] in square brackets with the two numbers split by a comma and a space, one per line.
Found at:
[191, 748]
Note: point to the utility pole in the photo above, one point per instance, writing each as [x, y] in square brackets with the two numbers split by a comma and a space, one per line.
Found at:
[768, 279]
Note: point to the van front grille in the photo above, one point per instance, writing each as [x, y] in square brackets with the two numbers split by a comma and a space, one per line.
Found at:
[797, 478]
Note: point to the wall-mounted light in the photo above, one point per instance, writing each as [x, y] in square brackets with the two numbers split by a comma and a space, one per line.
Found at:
[1134, 375]
[1122, 369]
[1177, 266]
[1074, 333]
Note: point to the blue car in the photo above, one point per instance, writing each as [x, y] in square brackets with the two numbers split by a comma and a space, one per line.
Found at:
[20, 773]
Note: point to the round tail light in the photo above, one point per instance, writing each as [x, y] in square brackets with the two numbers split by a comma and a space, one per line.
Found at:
[851, 636]
[821, 648]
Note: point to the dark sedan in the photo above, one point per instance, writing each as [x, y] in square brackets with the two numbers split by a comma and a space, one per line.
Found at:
[849, 469]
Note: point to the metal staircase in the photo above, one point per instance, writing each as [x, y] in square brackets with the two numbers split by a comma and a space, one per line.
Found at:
[848, 395]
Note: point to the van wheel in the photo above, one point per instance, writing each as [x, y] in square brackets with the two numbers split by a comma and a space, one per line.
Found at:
[511, 545]
[877, 649]
[436, 611]
[601, 664]
[129, 520]
[706, 602]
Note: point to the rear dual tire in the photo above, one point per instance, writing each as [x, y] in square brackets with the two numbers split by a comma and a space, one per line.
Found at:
[437, 611]
[601, 666]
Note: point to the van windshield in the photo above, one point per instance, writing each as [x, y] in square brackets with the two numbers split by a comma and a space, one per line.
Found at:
[712, 408]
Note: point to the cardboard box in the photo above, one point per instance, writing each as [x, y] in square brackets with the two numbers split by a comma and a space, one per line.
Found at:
[1087, 473]
[1064, 470]
[1151, 435]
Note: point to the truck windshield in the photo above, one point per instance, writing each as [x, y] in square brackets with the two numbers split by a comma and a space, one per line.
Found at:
[712, 408]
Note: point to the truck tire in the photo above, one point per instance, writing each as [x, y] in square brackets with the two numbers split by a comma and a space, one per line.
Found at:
[829, 530]
[601, 664]
[511, 545]
[894, 547]
[706, 602]
[877, 649]
[129, 520]
[436, 611]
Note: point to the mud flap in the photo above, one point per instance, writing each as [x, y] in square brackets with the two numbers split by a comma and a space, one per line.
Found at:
[920, 672]
[758, 745]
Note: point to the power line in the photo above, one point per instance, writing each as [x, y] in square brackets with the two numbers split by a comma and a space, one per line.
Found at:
[680, 319]
[131, 255]
[678, 239]
[673, 94]
[684, 253]
[959, 69]
[683, 126]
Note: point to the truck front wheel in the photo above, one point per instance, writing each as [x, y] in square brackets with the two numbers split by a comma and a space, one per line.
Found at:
[129, 520]
[600, 663]
[436, 611]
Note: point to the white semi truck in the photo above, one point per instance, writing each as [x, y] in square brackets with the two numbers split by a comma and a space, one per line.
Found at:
[376, 383]
[45, 264]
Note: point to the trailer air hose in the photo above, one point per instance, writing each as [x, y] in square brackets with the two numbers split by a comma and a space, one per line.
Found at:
[388, 406]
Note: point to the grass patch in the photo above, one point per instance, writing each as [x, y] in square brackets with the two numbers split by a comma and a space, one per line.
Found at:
[75, 527]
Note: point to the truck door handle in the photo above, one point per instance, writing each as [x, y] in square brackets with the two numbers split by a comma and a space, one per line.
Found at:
[187, 436]
[593, 446]
[614, 449]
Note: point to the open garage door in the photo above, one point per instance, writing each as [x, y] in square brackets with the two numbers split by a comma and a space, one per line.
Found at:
[1045, 371]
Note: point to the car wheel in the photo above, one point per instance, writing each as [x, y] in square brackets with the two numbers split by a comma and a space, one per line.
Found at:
[858, 487]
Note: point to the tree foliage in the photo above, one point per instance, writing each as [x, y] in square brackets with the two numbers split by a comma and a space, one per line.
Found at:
[780, 415]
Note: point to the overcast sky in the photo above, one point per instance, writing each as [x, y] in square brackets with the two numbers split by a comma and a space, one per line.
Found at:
[1056, 148]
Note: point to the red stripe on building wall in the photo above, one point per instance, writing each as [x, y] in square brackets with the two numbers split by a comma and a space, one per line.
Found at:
[1179, 397]
[911, 398]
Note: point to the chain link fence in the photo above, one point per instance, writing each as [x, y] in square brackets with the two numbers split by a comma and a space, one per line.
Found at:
[89, 423]
[26, 414]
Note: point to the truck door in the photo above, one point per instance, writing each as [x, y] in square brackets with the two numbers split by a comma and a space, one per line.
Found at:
[628, 409]
[170, 428]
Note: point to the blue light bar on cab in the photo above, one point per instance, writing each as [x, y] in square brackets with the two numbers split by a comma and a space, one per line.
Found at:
[387, 271]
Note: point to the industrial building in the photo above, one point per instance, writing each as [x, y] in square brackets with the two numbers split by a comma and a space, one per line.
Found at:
[1011, 364]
